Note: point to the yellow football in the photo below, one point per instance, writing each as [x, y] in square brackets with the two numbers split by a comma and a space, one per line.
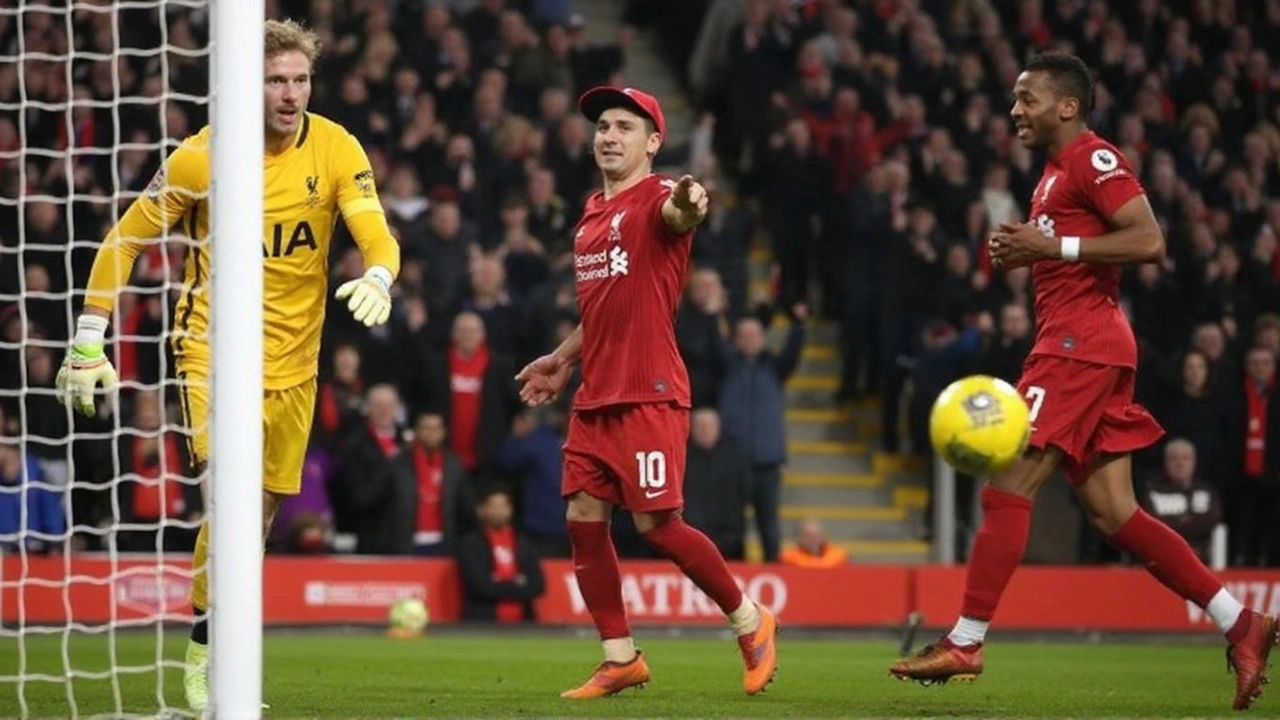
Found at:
[979, 425]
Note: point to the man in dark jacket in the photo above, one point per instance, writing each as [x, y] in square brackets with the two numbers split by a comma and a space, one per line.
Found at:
[717, 485]
[752, 403]
[501, 573]
[699, 336]
[372, 496]
[473, 389]
[532, 459]
[443, 497]
[1183, 501]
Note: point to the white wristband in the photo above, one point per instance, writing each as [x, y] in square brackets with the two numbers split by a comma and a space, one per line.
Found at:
[1071, 248]
[381, 274]
[90, 329]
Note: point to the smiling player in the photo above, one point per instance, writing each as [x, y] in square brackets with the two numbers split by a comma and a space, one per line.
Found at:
[1089, 216]
[314, 169]
[630, 423]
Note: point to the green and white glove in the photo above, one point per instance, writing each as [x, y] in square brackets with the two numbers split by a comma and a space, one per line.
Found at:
[370, 296]
[86, 367]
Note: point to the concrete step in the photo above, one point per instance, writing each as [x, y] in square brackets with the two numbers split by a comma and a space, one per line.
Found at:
[888, 551]
[883, 462]
[898, 527]
[827, 383]
[810, 398]
[855, 464]
[835, 496]
[858, 503]
[846, 431]
[819, 367]
[820, 415]
[825, 447]
[795, 478]
[813, 351]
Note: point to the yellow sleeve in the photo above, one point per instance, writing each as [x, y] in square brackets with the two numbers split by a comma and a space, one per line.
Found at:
[175, 189]
[361, 209]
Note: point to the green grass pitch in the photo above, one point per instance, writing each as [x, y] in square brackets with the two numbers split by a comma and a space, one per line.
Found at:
[495, 675]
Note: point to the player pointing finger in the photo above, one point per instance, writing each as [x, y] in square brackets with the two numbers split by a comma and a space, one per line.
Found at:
[690, 199]
[629, 428]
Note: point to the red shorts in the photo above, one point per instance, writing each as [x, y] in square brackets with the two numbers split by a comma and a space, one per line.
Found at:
[628, 455]
[1086, 409]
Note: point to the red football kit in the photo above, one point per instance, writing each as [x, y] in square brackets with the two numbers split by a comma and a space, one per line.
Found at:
[630, 424]
[1079, 377]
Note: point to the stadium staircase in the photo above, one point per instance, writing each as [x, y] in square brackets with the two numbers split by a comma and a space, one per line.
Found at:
[645, 67]
[871, 503]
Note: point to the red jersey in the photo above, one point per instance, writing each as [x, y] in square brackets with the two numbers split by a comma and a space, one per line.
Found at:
[1078, 312]
[630, 270]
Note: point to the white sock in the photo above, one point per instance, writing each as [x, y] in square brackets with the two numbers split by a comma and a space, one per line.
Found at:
[746, 619]
[1224, 609]
[968, 632]
[619, 650]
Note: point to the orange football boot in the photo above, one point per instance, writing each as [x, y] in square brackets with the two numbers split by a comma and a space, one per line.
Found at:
[611, 678]
[939, 663]
[1248, 658]
[759, 653]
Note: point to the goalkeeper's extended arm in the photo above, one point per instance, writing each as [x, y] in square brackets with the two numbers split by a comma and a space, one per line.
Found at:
[369, 297]
[86, 365]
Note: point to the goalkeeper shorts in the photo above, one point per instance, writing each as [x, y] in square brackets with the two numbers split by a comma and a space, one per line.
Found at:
[286, 428]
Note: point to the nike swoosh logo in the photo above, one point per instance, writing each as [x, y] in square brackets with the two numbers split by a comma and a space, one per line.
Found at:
[652, 495]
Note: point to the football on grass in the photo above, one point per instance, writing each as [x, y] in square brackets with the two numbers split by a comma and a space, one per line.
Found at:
[408, 617]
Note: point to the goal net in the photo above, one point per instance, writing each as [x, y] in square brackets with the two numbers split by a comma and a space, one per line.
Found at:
[97, 515]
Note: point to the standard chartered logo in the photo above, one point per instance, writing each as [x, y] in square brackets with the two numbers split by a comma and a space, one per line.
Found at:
[601, 265]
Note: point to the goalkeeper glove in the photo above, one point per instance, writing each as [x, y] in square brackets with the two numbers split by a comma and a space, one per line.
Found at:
[86, 367]
[370, 295]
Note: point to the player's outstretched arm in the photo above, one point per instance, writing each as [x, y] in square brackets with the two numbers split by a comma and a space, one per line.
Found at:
[542, 380]
[686, 206]
[368, 297]
[169, 196]
[1135, 237]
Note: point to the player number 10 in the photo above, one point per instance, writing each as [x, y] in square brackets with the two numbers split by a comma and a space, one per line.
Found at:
[653, 468]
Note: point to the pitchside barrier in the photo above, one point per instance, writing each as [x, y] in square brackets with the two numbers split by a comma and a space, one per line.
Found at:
[92, 589]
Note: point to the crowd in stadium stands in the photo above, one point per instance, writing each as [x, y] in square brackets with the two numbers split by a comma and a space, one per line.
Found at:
[876, 136]
[868, 139]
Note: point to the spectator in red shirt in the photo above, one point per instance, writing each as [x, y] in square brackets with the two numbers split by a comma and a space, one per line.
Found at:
[500, 570]
[444, 494]
[472, 387]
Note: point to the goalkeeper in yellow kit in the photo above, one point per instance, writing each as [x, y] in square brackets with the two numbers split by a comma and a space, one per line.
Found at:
[313, 170]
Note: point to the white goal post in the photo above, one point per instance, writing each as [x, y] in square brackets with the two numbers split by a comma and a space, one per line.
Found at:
[93, 608]
[236, 439]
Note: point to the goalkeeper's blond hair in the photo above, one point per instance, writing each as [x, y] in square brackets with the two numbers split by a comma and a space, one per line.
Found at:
[289, 36]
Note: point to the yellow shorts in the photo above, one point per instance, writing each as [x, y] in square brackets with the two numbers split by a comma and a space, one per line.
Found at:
[286, 429]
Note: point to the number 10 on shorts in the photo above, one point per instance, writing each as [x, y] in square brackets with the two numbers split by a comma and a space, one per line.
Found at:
[653, 470]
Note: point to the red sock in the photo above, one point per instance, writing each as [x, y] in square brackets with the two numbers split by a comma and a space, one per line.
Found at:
[1168, 557]
[595, 563]
[699, 559]
[997, 550]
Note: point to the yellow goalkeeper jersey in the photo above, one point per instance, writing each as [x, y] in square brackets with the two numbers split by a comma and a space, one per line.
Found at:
[323, 172]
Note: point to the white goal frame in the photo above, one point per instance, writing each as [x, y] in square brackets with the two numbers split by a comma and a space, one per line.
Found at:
[235, 601]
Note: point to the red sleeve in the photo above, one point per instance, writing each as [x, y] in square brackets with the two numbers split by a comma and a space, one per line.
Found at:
[661, 190]
[1108, 181]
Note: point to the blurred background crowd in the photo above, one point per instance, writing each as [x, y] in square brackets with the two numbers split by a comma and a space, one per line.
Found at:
[865, 144]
